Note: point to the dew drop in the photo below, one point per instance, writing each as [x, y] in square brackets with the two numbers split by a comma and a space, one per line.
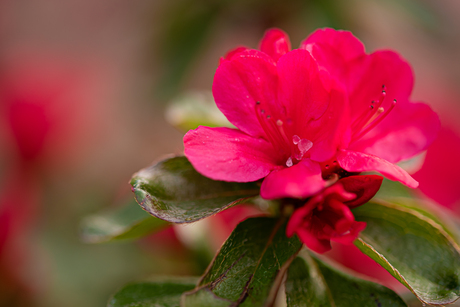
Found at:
[289, 162]
[295, 139]
[304, 145]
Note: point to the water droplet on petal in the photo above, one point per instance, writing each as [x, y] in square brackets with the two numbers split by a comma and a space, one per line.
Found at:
[295, 139]
[305, 145]
[289, 162]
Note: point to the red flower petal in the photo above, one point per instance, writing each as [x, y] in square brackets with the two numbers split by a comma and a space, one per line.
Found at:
[364, 187]
[301, 90]
[232, 53]
[332, 129]
[312, 242]
[334, 50]
[228, 154]
[406, 132]
[249, 76]
[299, 181]
[275, 43]
[348, 239]
[359, 162]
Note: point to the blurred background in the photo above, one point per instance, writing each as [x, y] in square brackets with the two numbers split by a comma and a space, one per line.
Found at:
[84, 89]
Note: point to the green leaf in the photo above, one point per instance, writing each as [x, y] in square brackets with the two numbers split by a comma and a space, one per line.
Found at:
[158, 292]
[174, 191]
[391, 189]
[249, 268]
[124, 223]
[311, 282]
[414, 248]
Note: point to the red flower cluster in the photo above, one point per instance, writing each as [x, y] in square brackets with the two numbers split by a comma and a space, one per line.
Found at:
[307, 117]
[327, 216]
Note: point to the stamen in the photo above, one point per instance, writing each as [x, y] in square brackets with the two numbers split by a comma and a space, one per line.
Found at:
[267, 127]
[279, 123]
[372, 117]
[275, 131]
[375, 121]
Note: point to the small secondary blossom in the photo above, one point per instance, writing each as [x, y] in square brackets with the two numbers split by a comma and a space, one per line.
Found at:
[310, 116]
[327, 215]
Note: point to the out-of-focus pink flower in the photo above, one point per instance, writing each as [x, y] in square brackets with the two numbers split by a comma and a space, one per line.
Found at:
[351, 257]
[327, 215]
[49, 117]
[310, 115]
[18, 205]
[223, 223]
[439, 177]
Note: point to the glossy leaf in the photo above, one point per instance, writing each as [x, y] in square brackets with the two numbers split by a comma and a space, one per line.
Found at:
[311, 282]
[159, 292]
[126, 222]
[415, 249]
[249, 267]
[174, 191]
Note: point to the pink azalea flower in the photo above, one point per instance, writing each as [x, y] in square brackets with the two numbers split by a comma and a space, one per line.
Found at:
[309, 116]
[327, 215]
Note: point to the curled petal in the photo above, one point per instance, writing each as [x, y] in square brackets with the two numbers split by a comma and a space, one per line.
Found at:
[298, 217]
[360, 162]
[364, 187]
[275, 43]
[299, 181]
[228, 154]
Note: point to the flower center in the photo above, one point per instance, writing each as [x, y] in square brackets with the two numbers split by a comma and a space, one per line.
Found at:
[371, 117]
[291, 147]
